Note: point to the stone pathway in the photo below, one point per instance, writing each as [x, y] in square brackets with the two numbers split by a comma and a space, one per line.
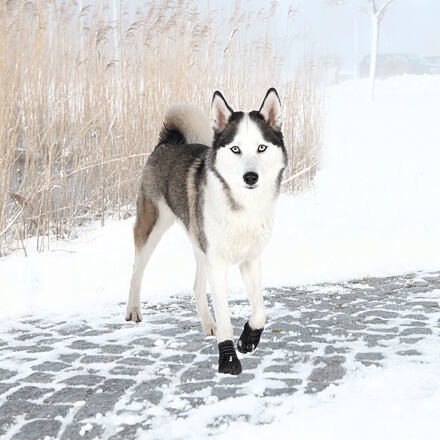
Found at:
[107, 379]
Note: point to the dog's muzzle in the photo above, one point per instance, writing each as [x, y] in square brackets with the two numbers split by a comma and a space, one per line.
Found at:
[250, 178]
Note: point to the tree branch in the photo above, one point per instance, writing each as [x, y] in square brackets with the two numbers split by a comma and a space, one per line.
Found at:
[381, 10]
[378, 13]
[373, 9]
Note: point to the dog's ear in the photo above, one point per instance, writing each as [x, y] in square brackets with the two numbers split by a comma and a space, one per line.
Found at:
[220, 111]
[271, 109]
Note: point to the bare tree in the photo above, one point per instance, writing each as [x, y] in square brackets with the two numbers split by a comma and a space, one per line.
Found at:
[376, 14]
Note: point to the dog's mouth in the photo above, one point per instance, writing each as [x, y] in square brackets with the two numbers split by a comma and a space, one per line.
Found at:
[251, 186]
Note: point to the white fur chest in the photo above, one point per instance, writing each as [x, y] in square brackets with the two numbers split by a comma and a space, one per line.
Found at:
[240, 234]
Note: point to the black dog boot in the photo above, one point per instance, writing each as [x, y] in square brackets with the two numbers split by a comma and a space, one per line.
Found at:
[228, 362]
[249, 339]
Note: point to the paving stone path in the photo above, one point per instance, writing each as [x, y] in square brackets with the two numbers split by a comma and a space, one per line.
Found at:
[107, 379]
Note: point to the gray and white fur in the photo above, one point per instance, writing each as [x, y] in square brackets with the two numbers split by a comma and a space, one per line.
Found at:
[222, 185]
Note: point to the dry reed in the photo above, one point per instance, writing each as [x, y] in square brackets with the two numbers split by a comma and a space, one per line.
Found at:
[82, 97]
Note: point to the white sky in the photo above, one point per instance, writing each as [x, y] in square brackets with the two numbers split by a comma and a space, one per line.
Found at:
[409, 26]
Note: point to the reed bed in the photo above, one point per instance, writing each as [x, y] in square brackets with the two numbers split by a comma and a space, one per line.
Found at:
[83, 95]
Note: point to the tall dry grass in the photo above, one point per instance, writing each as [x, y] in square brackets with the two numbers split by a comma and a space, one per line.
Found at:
[82, 98]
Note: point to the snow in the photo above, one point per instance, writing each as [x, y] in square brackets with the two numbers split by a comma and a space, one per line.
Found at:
[373, 211]
[398, 402]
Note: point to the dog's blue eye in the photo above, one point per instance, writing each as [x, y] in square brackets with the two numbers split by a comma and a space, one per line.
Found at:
[262, 148]
[235, 149]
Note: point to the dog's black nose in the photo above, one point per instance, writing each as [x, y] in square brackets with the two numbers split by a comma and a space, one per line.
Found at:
[250, 178]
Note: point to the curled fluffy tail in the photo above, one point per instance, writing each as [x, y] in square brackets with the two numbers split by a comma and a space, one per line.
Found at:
[186, 124]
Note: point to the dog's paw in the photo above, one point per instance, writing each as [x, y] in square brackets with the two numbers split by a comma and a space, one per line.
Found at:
[133, 314]
[228, 362]
[249, 339]
[210, 328]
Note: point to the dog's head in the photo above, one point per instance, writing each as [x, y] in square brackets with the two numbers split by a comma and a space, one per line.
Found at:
[249, 147]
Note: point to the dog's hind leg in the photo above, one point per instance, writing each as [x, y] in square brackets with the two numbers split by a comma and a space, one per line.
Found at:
[208, 323]
[249, 339]
[152, 220]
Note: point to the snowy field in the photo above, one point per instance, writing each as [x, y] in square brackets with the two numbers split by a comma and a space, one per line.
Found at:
[374, 211]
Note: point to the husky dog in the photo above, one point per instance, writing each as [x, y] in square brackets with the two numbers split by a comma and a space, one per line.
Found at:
[225, 197]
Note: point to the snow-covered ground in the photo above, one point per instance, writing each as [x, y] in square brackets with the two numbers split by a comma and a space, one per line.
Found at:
[398, 402]
[374, 210]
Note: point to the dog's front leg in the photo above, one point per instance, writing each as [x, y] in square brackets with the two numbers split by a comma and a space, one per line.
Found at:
[251, 273]
[217, 270]
[208, 324]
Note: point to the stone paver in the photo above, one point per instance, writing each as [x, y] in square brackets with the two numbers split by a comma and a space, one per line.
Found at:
[108, 379]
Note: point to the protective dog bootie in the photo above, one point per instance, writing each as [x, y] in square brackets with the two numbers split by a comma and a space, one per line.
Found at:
[249, 339]
[228, 362]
